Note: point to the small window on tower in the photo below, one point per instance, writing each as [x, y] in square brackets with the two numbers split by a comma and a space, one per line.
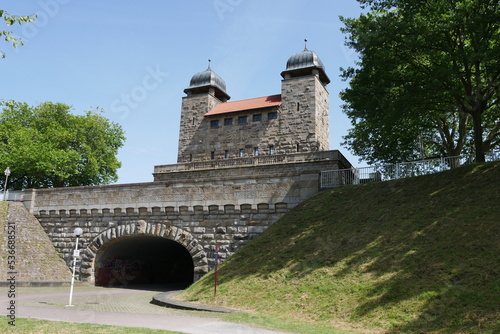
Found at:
[272, 115]
[241, 153]
[271, 149]
[226, 154]
[228, 121]
[256, 151]
[214, 123]
[257, 118]
[212, 155]
[242, 120]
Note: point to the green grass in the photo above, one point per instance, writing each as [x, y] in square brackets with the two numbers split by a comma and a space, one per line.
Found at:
[55, 327]
[418, 255]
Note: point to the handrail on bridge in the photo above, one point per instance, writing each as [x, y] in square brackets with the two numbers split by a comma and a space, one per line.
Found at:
[386, 172]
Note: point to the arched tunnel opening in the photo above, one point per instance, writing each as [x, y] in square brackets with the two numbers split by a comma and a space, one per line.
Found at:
[143, 260]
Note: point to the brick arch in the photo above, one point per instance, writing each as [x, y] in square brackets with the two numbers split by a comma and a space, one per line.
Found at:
[162, 230]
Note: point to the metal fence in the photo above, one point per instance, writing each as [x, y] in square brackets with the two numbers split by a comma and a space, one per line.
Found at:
[386, 172]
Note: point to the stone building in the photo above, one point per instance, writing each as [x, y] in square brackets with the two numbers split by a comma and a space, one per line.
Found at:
[294, 121]
[241, 166]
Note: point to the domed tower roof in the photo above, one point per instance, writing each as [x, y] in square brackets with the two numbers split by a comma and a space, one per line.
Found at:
[201, 82]
[303, 63]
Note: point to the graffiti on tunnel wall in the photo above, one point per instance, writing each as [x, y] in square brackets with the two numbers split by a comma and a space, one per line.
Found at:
[126, 270]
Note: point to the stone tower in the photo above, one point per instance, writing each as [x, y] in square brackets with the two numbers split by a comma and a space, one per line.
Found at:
[305, 102]
[295, 121]
[206, 90]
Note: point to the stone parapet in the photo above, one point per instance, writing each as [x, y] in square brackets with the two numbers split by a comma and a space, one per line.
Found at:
[275, 159]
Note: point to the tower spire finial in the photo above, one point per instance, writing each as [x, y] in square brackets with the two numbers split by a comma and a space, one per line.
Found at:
[209, 61]
[305, 44]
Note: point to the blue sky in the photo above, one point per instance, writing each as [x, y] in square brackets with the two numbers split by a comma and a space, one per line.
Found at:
[135, 58]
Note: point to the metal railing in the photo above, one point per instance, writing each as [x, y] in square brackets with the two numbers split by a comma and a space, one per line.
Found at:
[342, 177]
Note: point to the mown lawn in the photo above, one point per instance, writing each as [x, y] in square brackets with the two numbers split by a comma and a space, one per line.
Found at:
[31, 326]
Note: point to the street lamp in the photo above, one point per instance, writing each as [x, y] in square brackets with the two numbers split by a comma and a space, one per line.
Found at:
[7, 173]
[78, 232]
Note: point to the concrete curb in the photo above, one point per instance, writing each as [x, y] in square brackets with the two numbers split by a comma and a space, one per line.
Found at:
[39, 283]
[166, 299]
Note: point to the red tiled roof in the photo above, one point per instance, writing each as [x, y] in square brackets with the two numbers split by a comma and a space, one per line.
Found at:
[256, 103]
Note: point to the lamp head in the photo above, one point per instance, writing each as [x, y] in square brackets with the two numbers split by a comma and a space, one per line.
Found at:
[78, 232]
[7, 171]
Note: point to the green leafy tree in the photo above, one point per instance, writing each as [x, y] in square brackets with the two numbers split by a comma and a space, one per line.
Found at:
[427, 80]
[48, 146]
[8, 35]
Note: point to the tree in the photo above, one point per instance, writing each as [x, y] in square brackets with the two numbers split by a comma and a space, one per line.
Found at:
[427, 78]
[9, 20]
[48, 146]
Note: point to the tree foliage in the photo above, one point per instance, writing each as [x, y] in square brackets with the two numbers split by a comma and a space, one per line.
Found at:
[427, 80]
[48, 146]
[8, 35]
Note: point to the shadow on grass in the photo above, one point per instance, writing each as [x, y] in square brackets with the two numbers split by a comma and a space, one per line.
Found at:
[417, 255]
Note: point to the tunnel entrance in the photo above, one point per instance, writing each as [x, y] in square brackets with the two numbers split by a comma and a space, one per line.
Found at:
[140, 260]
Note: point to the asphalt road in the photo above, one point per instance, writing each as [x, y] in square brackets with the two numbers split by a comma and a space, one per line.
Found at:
[119, 307]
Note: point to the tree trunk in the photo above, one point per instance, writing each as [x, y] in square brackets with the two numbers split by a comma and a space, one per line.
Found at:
[478, 136]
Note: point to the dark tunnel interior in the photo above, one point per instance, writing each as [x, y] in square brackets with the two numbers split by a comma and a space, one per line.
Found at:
[143, 260]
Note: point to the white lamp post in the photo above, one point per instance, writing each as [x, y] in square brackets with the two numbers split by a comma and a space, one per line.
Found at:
[78, 232]
[7, 173]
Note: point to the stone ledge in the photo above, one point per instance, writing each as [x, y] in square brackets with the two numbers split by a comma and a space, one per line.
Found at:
[39, 283]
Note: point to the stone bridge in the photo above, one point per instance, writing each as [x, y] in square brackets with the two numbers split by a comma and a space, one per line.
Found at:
[166, 231]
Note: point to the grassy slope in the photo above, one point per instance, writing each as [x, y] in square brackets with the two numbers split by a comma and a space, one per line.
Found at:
[419, 255]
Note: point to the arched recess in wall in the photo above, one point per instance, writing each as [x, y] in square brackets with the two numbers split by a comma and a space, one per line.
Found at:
[158, 236]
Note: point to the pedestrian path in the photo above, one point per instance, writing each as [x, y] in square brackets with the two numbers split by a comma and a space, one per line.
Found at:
[120, 307]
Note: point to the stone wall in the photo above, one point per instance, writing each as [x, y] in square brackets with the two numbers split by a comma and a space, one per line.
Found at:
[191, 145]
[226, 141]
[305, 114]
[229, 226]
[322, 124]
[225, 205]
